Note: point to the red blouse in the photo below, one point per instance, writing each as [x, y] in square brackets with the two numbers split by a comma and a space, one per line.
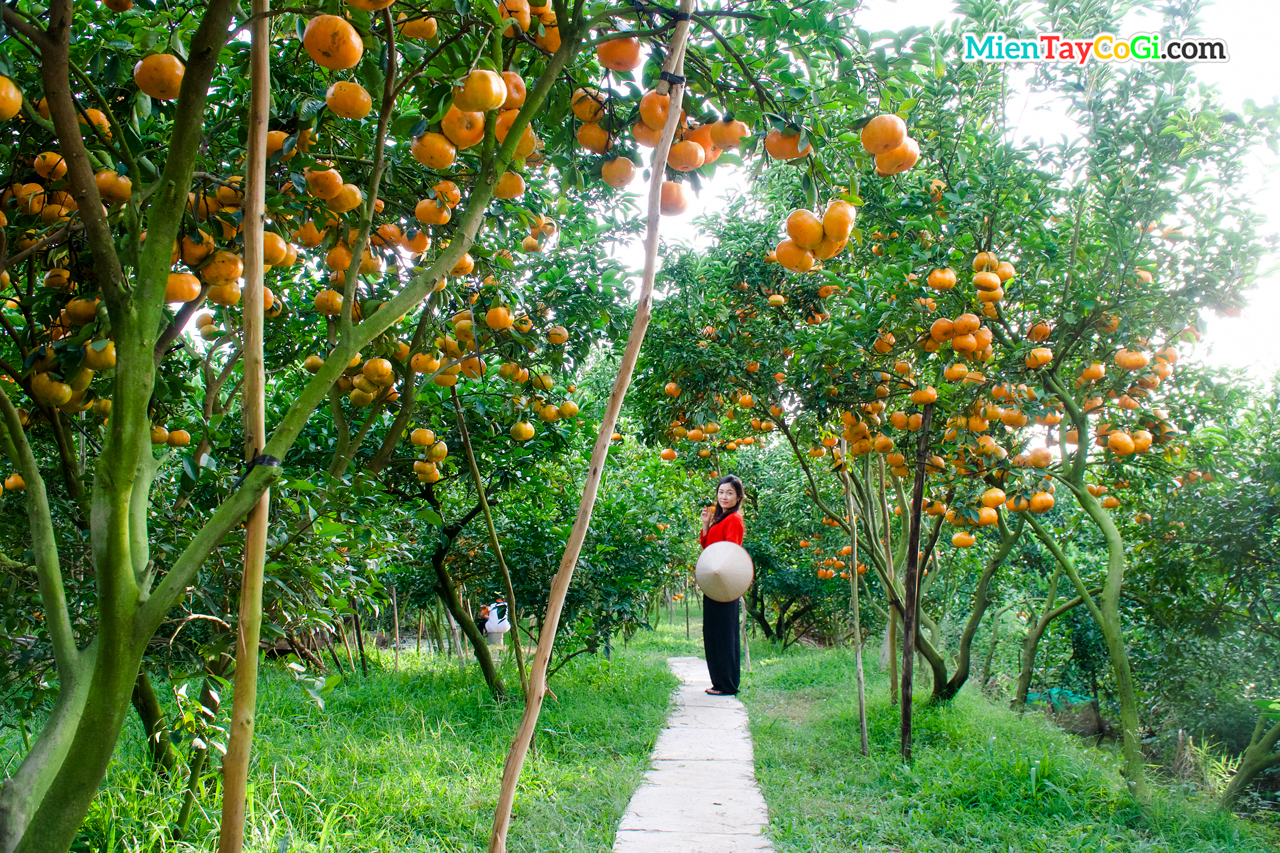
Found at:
[728, 529]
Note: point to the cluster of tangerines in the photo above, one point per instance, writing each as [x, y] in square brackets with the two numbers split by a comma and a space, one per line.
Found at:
[434, 451]
[811, 238]
[693, 148]
[989, 277]
[830, 566]
[680, 428]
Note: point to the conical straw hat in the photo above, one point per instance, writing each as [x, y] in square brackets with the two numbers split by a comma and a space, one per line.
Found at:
[724, 571]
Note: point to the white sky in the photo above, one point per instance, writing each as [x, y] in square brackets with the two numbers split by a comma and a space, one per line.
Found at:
[1245, 343]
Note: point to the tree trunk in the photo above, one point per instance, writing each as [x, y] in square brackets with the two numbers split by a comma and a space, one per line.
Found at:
[944, 691]
[448, 592]
[87, 745]
[160, 750]
[395, 621]
[886, 547]
[346, 644]
[1031, 642]
[1107, 617]
[985, 678]
[1257, 758]
[513, 613]
[359, 631]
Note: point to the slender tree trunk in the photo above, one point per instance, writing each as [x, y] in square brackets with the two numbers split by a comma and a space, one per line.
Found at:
[512, 612]
[985, 678]
[449, 594]
[346, 644]
[455, 638]
[438, 632]
[889, 570]
[1031, 644]
[160, 751]
[1257, 757]
[1106, 614]
[944, 691]
[674, 65]
[191, 794]
[336, 662]
[419, 649]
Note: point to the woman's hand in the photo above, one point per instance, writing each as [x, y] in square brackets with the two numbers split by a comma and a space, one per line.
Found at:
[707, 513]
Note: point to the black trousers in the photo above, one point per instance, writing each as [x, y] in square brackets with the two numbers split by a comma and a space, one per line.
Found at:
[722, 642]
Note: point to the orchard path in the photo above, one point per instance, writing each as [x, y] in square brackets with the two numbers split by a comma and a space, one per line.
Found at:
[700, 794]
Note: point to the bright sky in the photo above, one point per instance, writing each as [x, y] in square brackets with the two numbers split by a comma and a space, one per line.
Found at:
[1245, 343]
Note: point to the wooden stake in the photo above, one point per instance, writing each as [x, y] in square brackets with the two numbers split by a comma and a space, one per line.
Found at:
[686, 605]
[457, 641]
[395, 619]
[359, 629]
[911, 583]
[346, 644]
[560, 584]
[419, 630]
[235, 765]
[893, 612]
[853, 597]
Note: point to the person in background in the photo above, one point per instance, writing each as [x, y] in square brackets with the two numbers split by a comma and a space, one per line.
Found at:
[720, 637]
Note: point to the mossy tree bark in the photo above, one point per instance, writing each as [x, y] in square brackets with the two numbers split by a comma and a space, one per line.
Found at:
[981, 600]
[1259, 756]
[160, 750]
[1105, 608]
[447, 589]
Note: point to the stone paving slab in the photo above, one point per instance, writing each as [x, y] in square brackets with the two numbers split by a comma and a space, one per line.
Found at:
[653, 841]
[693, 774]
[707, 717]
[700, 793]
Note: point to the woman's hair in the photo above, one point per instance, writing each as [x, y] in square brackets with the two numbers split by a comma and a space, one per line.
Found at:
[720, 511]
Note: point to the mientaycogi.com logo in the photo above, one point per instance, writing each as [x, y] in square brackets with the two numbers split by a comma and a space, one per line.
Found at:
[1054, 47]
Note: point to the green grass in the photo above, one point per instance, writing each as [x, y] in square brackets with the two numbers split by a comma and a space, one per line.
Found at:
[411, 762]
[971, 786]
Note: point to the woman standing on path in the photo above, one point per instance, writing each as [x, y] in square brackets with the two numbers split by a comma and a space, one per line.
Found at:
[720, 639]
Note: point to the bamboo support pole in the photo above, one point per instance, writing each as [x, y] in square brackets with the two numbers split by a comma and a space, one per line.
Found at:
[560, 584]
[887, 542]
[911, 583]
[395, 621]
[853, 599]
[235, 765]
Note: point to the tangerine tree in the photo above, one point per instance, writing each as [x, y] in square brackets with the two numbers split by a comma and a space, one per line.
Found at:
[409, 152]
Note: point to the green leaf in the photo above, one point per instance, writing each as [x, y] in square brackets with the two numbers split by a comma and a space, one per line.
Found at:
[1270, 708]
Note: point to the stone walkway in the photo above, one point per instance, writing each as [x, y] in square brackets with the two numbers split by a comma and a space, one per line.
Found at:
[700, 795]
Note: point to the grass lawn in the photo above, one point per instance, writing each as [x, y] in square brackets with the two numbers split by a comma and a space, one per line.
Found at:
[983, 778]
[411, 761]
